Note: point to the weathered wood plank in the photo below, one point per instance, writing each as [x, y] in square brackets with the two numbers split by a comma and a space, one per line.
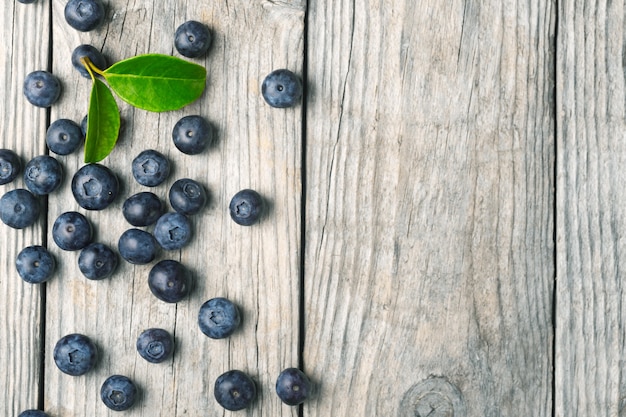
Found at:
[24, 49]
[257, 267]
[429, 257]
[591, 151]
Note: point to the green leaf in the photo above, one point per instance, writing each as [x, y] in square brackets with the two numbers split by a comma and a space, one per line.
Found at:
[103, 123]
[156, 82]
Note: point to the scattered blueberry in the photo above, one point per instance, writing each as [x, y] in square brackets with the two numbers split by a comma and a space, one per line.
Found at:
[97, 261]
[150, 168]
[83, 125]
[32, 413]
[192, 39]
[42, 88]
[35, 264]
[142, 209]
[26, 2]
[234, 390]
[293, 387]
[246, 207]
[137, 246]
[172, 231]
[94, 55]
[155, 345]
[43, 174]
[187, 196]
[19, 208]
[118, 393]
[281, 88]
[10, 166]
[94, 187]
[72, 231]
[192, 134]
[218, 318]
[84, 15]
[64, 136]
[169, 281]
[75, 354]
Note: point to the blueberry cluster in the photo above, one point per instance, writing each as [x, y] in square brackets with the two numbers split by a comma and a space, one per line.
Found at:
[95, 187]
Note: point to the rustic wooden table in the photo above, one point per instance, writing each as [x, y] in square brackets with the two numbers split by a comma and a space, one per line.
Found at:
[447, 213]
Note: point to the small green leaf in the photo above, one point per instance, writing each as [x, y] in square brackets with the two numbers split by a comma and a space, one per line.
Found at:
[103, 123]
[156, 82]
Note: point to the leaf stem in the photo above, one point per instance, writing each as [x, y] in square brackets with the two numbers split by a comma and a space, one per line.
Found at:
[90, 67]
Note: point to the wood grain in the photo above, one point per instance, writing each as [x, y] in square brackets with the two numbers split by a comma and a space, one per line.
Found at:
[429, 253]
[25, 49]
[589, 364]
[257, 267]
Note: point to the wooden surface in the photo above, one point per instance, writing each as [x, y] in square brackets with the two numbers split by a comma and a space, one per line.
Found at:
[446, 211]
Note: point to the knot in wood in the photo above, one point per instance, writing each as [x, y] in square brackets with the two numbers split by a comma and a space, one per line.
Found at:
[432, 397]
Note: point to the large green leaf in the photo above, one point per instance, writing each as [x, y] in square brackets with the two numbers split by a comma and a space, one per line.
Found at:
[103, 123]
[156, 82]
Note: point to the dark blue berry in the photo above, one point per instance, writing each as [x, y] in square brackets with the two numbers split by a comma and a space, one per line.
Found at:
[192, 134]
[155, 345]
[94, 187]
[72, 231]
[83, 125]
[187, 196]
[32, 413]
[26, 2]
[84, 15]
[169, 281]
[43, 174]
[150, 168]
[10, 166]
[19, 208]
[192, 39]
[41, 88]
[172, 231]
[281, 88]
[142, 209]
[137, 246]
[118, 393]
[64, 136]
[94, 55]
[246, 207]
[35, 264]
[75, 354]
[234, 390]
[97, 261]
[218, 318]
[293, 387]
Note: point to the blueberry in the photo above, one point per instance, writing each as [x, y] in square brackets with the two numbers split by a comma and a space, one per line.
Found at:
[26, 2]
[155, 345]
[234, 390]
[94, 55]
[43, 174]
[192, 134]
[137, 246]
[75, 354]
[246, 207]
[41, 88]
[19, 208]
[281, 88]
[218, 318]
[293, 387]
[35, 264]
[32, 413]
[192, 39]
[84, 15]
[150, 168]
[10, 166]
[83, 125]
[97, 261]
[118, 393]
[187, 196]
[94, 187]
[142, 209]
[172, 231]
[64, 136]
[169, 281]
[72, 231]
